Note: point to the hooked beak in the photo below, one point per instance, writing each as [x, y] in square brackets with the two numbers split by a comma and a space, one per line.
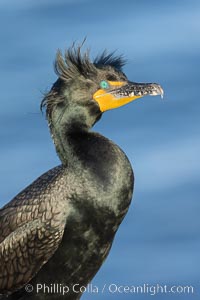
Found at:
[121, 93]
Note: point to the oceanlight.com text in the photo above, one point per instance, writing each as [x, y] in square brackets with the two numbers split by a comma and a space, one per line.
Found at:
[111, 288]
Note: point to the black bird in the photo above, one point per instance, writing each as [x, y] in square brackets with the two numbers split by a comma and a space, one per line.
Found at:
[59, 230]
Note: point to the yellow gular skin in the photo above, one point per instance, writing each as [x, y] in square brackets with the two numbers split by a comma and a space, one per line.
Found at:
[107, 101]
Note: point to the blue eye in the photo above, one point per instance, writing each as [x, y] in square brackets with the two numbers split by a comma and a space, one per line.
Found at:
[104, 84]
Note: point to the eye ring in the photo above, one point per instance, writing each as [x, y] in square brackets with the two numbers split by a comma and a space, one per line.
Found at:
[104, 84]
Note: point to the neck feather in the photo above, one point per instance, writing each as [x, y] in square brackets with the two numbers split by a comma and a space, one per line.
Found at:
[66, 129]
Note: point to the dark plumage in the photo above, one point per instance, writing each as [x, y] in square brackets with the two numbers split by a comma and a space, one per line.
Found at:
[61, 227]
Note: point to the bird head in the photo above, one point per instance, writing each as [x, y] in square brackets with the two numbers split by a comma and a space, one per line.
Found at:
[85, 89]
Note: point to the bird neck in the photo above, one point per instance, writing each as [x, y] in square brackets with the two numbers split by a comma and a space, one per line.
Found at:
[63, 141]
[69, 134]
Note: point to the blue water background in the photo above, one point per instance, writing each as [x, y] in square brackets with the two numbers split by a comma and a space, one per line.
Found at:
[159, 240]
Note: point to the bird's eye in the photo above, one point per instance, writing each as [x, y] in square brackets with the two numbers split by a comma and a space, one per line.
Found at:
[104, 84]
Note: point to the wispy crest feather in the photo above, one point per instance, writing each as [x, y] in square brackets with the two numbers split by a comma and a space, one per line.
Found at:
[75, 63]
[109, 59]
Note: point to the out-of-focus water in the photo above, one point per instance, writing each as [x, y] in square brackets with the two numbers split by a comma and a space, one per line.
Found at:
[159, 241]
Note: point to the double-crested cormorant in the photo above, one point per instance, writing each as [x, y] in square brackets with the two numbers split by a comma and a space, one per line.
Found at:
[59, 230]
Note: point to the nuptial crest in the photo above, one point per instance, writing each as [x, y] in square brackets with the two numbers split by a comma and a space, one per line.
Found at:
[74, 63]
